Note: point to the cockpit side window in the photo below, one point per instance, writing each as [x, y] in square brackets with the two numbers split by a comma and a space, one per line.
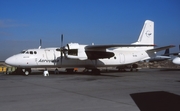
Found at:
[35, 52]
[27, 52]
[23, 51]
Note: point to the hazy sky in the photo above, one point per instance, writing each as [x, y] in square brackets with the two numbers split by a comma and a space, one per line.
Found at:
[24, 22]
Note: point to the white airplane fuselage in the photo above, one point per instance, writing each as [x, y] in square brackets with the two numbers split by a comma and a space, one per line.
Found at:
[49, 57]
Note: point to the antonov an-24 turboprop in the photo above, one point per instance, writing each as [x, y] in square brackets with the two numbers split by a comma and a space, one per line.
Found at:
[89, 56]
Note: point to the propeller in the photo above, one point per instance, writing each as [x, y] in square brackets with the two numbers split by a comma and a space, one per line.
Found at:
[61, 48]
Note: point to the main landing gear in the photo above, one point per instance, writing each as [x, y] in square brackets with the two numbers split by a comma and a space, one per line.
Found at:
[94, 71]
[131, 67]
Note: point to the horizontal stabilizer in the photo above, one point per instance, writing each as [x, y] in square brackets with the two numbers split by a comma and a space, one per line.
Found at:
[160, 48]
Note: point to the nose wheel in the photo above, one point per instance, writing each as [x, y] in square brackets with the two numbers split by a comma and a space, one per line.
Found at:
[26, 71]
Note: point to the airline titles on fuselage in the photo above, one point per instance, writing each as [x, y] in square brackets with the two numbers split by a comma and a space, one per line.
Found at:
[44, 60]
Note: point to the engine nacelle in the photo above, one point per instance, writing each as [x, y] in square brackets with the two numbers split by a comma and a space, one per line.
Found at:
[76, 51]
[73, 46]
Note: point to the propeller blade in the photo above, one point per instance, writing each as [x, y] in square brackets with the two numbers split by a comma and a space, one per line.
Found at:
[61, 48]
[61, 40]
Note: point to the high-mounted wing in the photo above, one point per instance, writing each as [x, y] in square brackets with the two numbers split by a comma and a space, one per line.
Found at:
[104, 47]
[94, 52]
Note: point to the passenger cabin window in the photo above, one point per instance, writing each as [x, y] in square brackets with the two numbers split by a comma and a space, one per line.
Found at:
[73, 52]
[35, 52]
[31, 52]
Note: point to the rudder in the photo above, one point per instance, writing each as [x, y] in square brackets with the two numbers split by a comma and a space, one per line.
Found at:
[147, 34]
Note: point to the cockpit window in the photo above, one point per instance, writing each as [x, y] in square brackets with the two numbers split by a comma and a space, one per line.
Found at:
[23, 51]
[27, 52]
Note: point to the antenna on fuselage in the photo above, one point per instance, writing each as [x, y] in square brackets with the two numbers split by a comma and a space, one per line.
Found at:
[40, 44]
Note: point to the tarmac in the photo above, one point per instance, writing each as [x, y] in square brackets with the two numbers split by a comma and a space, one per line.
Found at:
[145, 90]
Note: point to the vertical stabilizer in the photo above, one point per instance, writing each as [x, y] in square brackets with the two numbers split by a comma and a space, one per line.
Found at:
[147, 34]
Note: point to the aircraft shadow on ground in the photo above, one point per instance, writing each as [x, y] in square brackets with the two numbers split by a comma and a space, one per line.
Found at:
[66, 73]
[157, 101]
[83, 73]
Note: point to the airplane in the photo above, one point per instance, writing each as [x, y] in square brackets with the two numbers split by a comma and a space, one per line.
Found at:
[176, 60]
[89, 56]
[162, 57]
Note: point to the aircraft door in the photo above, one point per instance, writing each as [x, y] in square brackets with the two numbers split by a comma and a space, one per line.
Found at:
[50, 56]
[122, 58]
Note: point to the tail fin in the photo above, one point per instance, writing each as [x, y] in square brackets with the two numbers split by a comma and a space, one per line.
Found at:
[166, 52]
[147, 34]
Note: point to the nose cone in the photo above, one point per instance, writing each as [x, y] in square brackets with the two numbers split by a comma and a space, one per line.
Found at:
[176, 60]
[11, 61]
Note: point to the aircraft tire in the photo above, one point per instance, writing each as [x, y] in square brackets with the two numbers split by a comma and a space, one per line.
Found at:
[26, 73]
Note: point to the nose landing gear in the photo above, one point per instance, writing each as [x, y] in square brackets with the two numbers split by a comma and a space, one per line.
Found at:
[25, 71]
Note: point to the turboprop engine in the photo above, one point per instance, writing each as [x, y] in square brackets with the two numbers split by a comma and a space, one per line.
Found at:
[75, 51]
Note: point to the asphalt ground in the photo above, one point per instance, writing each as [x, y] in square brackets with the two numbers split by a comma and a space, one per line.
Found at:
[145, 90]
